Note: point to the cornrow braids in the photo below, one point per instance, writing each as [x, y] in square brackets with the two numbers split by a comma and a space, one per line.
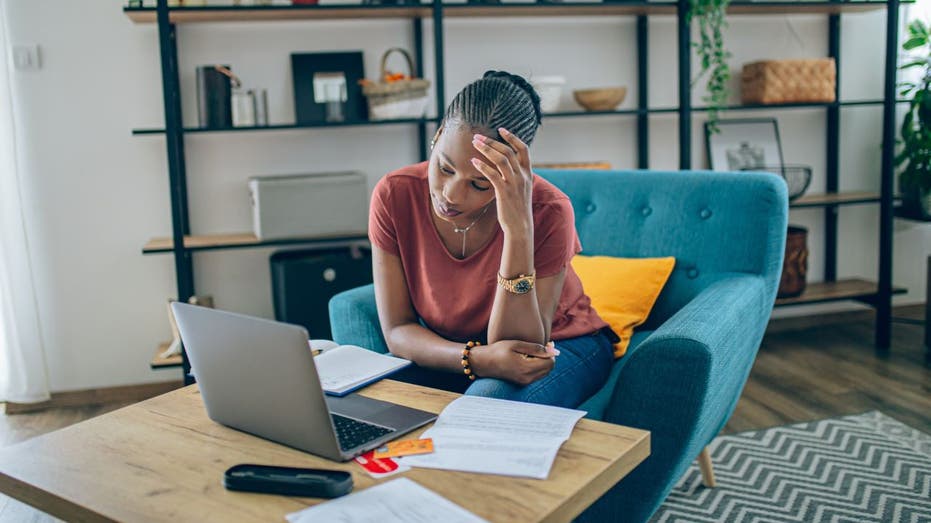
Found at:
[498, 99]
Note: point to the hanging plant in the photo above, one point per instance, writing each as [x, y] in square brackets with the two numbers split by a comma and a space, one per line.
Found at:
[710, 15]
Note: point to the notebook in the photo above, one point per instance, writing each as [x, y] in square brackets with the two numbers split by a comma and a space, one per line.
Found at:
[345, 368]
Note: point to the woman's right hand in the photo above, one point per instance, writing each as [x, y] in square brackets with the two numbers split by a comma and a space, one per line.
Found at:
[516, 361]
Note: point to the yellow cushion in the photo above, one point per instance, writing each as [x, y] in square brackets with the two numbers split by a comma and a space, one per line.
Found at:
[623, 290]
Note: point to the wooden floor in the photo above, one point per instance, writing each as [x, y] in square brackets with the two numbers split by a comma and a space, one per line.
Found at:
[808, 368]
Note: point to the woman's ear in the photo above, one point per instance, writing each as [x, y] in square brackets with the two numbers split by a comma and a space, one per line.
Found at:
[436, 137]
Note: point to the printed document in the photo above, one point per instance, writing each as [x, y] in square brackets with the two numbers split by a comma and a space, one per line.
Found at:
[397, 501]
[492, 436]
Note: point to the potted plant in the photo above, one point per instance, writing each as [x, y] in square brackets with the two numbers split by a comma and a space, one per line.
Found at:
[710, 15]
[914, 155]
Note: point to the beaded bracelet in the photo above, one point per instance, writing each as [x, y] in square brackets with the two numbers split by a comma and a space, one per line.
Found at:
[465, 359]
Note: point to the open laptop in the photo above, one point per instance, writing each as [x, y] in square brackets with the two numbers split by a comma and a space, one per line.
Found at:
[258, 376]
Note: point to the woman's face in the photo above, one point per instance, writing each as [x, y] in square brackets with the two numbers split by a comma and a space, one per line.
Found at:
[459, 193]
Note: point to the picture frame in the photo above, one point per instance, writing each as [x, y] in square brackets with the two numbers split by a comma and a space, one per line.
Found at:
[303, 68]
[744, 144]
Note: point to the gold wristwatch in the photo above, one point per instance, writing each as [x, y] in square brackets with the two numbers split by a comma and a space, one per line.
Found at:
[519, 285]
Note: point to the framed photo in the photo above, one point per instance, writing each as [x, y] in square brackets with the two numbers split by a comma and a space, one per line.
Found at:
[306, 66]
[744, 144]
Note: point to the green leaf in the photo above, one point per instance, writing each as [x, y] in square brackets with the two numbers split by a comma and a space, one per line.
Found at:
[914, 42]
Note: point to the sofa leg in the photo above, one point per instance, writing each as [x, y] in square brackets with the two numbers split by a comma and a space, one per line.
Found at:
[707, 471]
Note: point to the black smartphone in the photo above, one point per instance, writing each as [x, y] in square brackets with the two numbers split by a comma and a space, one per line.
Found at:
[288, 481]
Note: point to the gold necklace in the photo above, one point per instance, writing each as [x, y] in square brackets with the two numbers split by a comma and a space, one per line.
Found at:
[465, 230]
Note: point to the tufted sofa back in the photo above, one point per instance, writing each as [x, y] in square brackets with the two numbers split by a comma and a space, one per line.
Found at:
[686, 214]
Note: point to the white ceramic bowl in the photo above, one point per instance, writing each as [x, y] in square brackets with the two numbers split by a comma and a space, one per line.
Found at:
[549, 88]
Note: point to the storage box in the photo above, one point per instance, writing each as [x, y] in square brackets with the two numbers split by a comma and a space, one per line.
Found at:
[309, 205]
[788, 81]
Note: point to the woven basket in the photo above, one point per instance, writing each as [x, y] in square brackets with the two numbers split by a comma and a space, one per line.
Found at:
[399, 99]
[788, 81]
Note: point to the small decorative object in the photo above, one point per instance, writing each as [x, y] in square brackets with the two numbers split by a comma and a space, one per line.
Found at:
[261, 107]
[396, 95]
[330, 89]
[602, 99]
[243, 102]
[744, 144]
[795, 265]
[912, 160]
[549, 88]
[215, 84]
[304, 66]
[788, 81]
[797, 177]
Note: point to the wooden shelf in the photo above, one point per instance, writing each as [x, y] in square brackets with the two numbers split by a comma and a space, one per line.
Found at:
[189, 15]
[163, 363]
[829, 199]
[821, 7]
[242, 240]
[849, 289]
[287, 126]
[183, 15]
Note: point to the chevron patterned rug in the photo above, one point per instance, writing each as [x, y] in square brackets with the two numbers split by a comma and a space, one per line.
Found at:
[863, 468]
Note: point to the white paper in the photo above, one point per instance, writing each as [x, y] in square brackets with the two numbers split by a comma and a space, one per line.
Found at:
[397, 501]
[323, 345]
[492, 436]
[346, 367]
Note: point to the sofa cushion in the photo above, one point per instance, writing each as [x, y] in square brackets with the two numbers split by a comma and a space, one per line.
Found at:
[623, 290]
[596, 405]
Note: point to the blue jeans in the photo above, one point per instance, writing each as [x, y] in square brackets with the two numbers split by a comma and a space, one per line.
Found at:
[581, 369]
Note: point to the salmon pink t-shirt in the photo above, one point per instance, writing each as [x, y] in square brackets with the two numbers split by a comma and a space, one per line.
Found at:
[454, 297]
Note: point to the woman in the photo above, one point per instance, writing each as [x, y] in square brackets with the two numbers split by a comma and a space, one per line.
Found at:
[471, 255]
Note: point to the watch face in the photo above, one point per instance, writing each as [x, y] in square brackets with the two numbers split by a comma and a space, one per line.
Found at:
[522, 286]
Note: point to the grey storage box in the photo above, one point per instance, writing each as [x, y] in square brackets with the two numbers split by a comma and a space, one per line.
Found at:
[309, 205]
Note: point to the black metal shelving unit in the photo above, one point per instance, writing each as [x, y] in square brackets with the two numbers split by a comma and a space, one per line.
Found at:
[878, 294]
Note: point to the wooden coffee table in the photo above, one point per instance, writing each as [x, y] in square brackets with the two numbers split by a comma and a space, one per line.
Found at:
[163, 460]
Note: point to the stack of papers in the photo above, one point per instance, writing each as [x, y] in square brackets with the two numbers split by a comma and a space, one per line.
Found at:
[399, 500]
[492, 436]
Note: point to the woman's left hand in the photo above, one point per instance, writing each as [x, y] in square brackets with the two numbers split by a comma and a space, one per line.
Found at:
[507, 167]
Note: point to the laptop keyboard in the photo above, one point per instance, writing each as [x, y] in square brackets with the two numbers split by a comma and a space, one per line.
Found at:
[352, 433]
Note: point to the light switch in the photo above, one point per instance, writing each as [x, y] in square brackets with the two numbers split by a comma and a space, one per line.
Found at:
[26, 57]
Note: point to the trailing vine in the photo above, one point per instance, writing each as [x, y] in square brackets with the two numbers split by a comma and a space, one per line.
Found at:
[712, 56]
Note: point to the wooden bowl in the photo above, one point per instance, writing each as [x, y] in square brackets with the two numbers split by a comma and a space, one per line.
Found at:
[602, 99]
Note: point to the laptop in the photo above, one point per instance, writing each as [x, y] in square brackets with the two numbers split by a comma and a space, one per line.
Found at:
[258, 376]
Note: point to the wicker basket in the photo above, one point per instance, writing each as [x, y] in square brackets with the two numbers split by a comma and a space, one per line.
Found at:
[788, 81]
[406, 98]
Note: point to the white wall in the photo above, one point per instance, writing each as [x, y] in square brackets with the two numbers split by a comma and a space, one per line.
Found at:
[95, 194]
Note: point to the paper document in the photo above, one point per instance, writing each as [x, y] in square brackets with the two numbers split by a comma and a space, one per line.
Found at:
[346, 368]
[492, 436]
[399, 500]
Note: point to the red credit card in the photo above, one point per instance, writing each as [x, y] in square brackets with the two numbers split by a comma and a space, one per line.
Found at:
[379, 467]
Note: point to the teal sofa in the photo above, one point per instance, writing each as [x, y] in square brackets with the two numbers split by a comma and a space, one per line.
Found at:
[686, 366]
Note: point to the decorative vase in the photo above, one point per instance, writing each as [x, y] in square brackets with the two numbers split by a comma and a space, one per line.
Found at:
[795, 264]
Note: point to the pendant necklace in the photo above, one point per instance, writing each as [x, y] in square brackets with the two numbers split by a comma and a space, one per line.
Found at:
[465, 230]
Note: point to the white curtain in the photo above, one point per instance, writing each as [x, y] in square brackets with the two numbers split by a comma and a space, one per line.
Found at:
[23, 374]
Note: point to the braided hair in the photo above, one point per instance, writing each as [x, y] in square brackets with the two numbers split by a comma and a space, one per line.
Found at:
[498, 99]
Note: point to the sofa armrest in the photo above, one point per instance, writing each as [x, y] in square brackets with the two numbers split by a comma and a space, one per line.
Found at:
[354, 319]
[682, 383]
